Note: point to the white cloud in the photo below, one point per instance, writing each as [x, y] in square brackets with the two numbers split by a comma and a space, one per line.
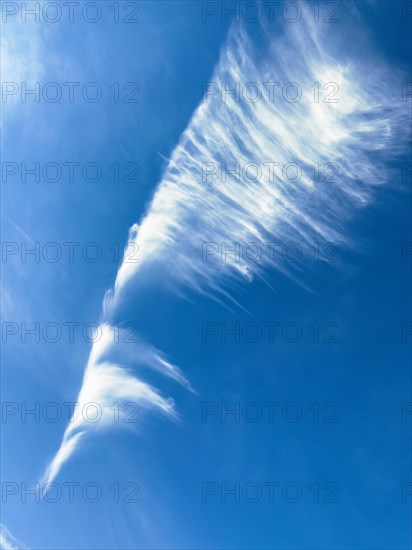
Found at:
[359, 133]
[106, 382]
[8, 542]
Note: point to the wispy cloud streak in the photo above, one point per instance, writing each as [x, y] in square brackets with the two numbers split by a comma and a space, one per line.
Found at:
[360, 133]
[8, 541]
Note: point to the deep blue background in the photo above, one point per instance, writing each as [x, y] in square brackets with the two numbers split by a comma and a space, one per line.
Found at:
[171, 52]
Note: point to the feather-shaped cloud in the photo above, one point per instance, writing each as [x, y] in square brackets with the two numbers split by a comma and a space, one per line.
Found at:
[200, 201]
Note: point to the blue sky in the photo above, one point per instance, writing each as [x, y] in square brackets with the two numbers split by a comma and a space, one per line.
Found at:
[335, 371]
